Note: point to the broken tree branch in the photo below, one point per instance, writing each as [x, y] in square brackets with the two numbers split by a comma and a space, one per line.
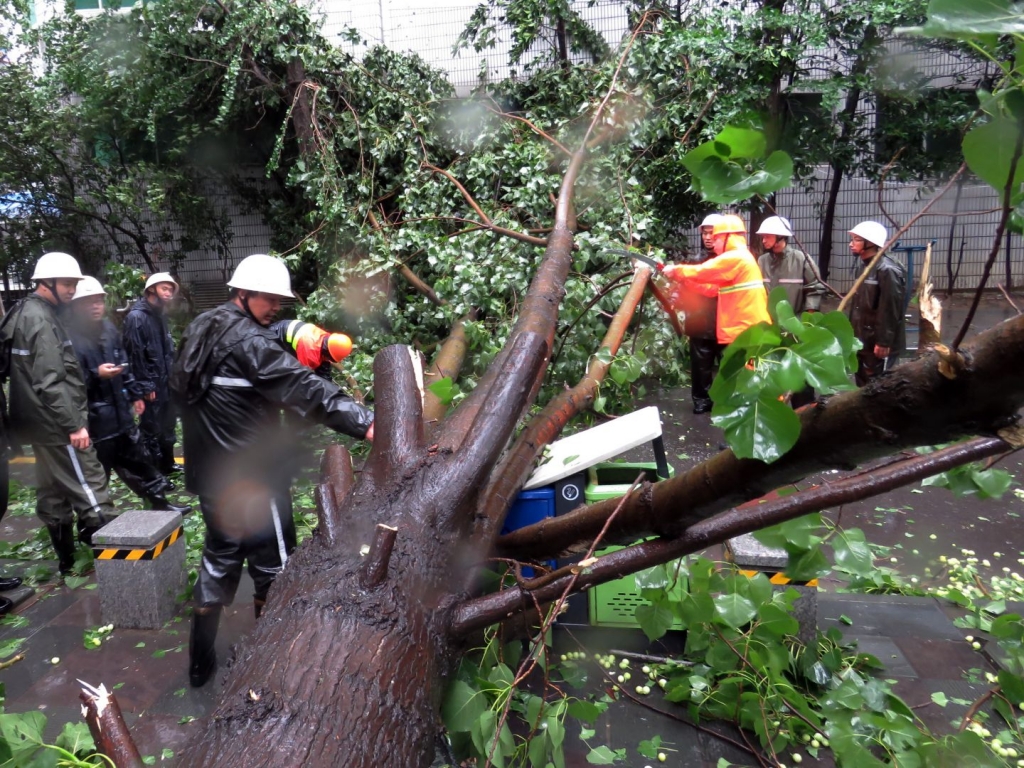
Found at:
[447, 365]
[483, 611]
[914, 405]
[509, 476]
[103, 715]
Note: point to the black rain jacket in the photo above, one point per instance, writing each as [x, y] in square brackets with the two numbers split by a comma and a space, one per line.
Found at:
[231, 379]
[110, 400]
[150, 347]
[876, 310]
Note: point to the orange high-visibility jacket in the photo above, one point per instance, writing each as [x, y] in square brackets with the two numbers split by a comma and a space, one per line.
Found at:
[742, 300]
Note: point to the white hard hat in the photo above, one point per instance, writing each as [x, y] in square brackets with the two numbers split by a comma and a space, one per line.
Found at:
[776, 225]
[710, 220]
[264, 274]
[57, 266]
[89, 286]
[871, 231]
[160, 277]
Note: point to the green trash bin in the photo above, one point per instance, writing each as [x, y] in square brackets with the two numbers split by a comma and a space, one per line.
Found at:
[614, 603]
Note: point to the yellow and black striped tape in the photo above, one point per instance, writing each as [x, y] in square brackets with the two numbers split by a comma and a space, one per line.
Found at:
[780, 579]
[138, 554]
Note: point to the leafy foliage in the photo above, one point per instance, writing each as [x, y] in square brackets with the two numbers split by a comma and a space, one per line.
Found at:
[766, 363]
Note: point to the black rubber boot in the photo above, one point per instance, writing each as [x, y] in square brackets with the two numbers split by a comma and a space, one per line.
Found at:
[85, 532]
[9, 582]
[6, 604]
[159, 501]
[201, 654]
[257, 605]
[63, 538]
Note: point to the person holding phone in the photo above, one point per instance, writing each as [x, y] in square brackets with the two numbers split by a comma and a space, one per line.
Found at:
[115, 398]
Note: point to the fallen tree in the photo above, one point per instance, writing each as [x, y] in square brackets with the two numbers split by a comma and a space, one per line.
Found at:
[350, 660]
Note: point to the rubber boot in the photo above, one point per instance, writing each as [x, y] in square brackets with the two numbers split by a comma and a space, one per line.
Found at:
[85, 532]
[159, 501]
[63, 538]
[6, 604]
[201, 654]
[257, 605]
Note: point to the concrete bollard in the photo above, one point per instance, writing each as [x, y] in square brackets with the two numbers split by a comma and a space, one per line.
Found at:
[140, 568]
[750, 555]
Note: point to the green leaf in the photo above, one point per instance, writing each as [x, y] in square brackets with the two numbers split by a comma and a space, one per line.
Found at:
[649, 747]
[601, 756]
[970, 18]
[735, 610]
[988, 150]
[764, 429]
[11, 647]
[777, 621]
[991, 483]
[587, 711]
[852, 554]
[463, 707]
[940, 698]
[654, 619]
[76, 739]
[444, 390]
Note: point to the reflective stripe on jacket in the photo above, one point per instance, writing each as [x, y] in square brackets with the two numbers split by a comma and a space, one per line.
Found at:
[232, 378]
[742, 301]
[795, 272]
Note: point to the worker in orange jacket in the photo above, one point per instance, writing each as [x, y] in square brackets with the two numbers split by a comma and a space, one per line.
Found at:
[733, 275]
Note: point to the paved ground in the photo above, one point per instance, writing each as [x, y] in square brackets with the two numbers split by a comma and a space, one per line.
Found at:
[914, 636]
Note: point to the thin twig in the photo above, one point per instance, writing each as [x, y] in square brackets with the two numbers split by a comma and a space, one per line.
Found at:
[1007, 297]
[997, 240]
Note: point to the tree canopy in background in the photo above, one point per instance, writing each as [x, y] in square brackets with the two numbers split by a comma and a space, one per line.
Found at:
[374, 178]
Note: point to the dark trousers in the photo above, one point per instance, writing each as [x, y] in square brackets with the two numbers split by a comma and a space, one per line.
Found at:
[870, 367]
[704, 355]
[71, 482]
[258, 529]
[157, 425]
[126, 455]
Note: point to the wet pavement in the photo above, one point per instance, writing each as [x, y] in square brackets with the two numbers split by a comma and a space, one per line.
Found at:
[913, 636]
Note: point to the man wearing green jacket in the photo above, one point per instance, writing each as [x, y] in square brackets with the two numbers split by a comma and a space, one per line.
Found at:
[49, 410]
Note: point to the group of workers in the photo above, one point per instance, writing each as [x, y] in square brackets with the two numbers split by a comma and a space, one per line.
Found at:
[77, 385]
[726, 291]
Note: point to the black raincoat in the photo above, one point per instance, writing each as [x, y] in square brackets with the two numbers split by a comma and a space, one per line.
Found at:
[110, 400]
[231, 380]
[148, 341]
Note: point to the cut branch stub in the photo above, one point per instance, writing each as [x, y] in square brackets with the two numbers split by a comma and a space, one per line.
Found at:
[398, 415]
[328, 514]
[375, 570]
[336, 471]
[103, 715]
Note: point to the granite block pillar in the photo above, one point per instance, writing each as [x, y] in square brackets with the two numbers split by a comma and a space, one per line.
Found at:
[140, 568]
